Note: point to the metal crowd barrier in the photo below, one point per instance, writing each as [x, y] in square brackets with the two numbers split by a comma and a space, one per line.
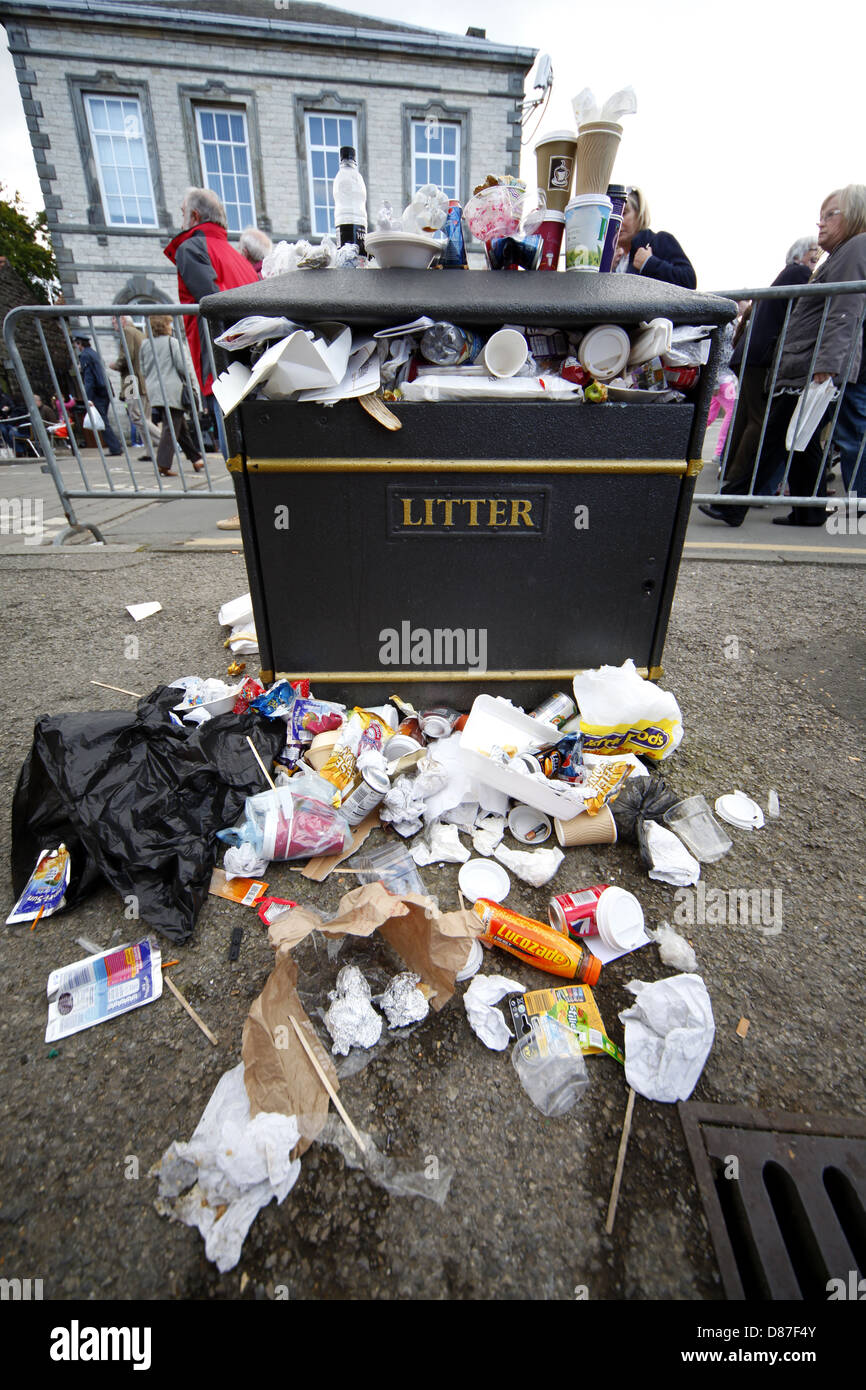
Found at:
[86, 473]
[96, 473]
[776, 482]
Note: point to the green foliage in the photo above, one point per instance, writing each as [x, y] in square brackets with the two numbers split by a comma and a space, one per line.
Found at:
[24, 243]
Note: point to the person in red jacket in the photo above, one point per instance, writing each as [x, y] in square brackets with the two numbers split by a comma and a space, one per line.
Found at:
[205, 264]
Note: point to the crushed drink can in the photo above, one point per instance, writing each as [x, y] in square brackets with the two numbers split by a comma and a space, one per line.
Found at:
[369, 793]
[557, 709]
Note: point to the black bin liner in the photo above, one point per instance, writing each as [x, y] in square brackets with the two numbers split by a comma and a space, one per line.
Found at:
[138, 801]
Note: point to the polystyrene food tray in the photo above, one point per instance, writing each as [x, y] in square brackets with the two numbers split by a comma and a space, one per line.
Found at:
[496, 721]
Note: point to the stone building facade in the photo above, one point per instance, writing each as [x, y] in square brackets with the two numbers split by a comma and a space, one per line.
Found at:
[128, 102]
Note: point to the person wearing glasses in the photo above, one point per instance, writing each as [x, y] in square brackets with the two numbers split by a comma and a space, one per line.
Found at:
[656, 255]
[842, 235]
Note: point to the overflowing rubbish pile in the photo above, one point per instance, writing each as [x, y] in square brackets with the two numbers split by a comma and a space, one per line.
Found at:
[428, 360]
[280, 776]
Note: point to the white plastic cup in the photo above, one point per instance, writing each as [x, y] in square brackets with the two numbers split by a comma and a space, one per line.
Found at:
[504, 353]
[586, 219]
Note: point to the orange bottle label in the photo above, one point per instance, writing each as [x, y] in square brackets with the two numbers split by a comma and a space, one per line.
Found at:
[536, 944]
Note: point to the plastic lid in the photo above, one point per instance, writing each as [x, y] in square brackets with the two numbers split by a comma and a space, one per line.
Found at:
[604, 351]
[551, 215]
[473, 962]
[619, 918]
[617, 190]
[347, 151]
[740, 810]
[557, 135]
[528, 826]
[484, 878]
[581, 199]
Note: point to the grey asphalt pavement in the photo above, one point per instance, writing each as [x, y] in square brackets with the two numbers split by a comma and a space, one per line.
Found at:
[767, 662]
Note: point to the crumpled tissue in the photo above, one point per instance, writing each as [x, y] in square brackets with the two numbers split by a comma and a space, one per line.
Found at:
[233, 1166]
[674, 950]
[485, 1021]
[669, 1032]
[488, 834]
[441, 845]
[242, 861]
[403, 807]
[585, 107]
[534, 866]
[669, 860]
[351, 1020]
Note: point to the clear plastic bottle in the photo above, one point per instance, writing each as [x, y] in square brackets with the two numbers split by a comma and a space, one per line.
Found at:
[350, 201]
[447, 345]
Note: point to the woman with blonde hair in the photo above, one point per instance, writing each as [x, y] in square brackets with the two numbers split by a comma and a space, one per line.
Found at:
[164, 370]
[656, 255]
[842, 234]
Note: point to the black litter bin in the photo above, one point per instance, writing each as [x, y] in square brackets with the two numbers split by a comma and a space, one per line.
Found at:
[493, 546]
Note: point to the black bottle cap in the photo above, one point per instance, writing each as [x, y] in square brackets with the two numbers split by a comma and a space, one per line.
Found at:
[347, 152]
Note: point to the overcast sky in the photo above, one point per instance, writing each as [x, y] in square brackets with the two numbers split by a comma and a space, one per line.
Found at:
[749, 111]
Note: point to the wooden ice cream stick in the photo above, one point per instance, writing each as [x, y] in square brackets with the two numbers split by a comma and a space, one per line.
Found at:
[118, 689]
[190, 1010]
[268, 778]
[327, 1085]
[620, 1162]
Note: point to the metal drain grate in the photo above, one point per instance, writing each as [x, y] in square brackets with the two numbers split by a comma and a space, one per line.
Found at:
[785, 1198]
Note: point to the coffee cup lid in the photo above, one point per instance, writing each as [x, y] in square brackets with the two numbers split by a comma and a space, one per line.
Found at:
[556, 135]
[551, 215]
[582, 199]
[740, 810]
[620, 919]
[604, 351]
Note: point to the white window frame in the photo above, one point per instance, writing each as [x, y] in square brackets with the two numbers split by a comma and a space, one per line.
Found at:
[231, 205]
[432, 125]
[128, 134]
[323, 115]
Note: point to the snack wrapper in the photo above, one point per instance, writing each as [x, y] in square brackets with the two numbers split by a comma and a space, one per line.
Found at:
[603, 782]
[621, 713]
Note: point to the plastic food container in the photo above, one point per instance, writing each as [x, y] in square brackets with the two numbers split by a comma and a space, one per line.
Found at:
[494, 721]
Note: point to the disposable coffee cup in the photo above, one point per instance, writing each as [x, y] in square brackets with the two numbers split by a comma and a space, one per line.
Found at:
[504, 353]
[555, 155]
[321, 748]
[597, 144]
[585, 829]
[586, 219]
[617, 193]
[551, 232]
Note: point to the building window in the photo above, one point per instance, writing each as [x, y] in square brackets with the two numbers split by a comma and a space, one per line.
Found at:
[326, 132]
[123, 171]
[225, 162]
[436, 155]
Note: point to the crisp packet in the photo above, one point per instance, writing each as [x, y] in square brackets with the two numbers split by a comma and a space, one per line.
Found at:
[602, 784]
[46, 888]
[100, 987]
[310, 717]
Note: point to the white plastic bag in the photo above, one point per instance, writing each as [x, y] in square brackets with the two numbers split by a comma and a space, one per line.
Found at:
[93, 420]
[808, 413]
[621, 713]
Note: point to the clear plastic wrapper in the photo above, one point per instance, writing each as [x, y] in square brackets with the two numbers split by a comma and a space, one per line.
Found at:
[552, 1070]
[293, 822]
[392, 865]
[426, 212]
[495, 210]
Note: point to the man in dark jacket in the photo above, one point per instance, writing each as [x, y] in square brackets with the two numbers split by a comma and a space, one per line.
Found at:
[96, 388]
